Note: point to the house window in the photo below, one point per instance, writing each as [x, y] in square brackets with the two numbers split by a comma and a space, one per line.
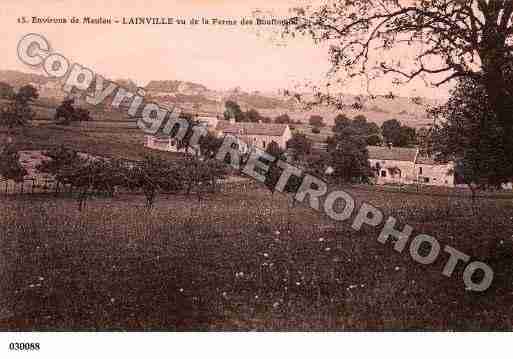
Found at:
[420, 170]
[383, 173]
[426, 179]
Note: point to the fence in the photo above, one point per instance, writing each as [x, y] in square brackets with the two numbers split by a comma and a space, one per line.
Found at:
[33, 186]
[50, 186]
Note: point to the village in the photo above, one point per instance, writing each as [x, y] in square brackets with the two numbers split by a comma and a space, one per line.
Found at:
[391, 165]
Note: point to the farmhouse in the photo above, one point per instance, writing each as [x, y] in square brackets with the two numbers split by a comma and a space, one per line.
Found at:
[255, 134]
[401, 165]
[249, 134]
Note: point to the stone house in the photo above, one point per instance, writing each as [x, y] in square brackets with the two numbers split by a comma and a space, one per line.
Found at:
[253, 134]
[401, 165]
[393, 164]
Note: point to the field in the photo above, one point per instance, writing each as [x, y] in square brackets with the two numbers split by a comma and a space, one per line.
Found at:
[243, 260]
[106, 139]
[240, 259]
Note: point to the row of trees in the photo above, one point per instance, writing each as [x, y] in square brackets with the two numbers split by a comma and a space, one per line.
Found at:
[234, 111]
[390, 132]
[151, 175]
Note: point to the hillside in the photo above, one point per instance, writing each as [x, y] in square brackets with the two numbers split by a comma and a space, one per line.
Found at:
[197, 97]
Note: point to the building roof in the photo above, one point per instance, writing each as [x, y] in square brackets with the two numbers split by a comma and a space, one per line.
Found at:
[251, 128]
[392, 153]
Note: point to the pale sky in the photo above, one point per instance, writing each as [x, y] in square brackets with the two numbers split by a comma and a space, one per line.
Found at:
[220, 57]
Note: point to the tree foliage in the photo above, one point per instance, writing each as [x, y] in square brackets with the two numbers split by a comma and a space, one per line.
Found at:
[349, 157]
[469, 133]
[17, 113]
[234, 111]
[10, 165]
[434, 40]
[359, 126]
[27, 94]
[67, 113]
[398, 134]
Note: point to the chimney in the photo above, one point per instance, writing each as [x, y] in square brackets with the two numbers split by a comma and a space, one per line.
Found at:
[390, 145]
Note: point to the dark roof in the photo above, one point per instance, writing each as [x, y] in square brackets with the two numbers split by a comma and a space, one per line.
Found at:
[251, 128]
[392, 153]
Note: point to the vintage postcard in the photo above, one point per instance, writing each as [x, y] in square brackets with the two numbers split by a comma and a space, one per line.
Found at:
[240, 166]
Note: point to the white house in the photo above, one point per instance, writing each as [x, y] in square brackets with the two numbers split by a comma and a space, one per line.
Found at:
[393, 164]
[401, 165]
[253, 134]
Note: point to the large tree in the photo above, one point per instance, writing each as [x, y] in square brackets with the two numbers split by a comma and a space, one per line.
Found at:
[468, 132]
[446, 40]
[348, 156]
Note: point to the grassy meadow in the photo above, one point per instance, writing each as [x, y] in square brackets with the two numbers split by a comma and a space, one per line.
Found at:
[244, 260]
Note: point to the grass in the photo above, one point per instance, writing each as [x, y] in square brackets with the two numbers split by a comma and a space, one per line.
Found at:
[115, 141]
[239, 261]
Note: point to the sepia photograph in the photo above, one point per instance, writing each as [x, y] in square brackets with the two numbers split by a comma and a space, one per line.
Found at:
[310, 167]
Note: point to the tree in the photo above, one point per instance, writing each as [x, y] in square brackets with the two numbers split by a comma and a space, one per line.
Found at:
[300, 145]
[234, 111]
[153, 175]
[59, 158]
[91, 176]
[449, 39]
[253, 116]
[369, 130]
[391, 130]
[408, 137]
[86, 175]
[17, 113]
[349, 157]
[197, 175]
[67, 113]
[26, 94]
[470, 134]
[10, 165]
[6, 91]
[210, 145]
[316, 121]
[283, 118]
[341, 122]
[398, 134]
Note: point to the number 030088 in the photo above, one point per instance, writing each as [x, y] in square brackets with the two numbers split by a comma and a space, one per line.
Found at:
[24, 346]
